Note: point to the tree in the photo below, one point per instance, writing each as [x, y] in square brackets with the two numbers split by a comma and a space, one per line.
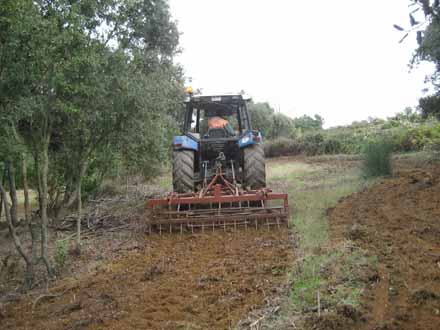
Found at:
[272, 125]
[430, 106]
[283, 126]
[13, 153]
[77, 76]
[427, 30]
[262, 117]
[306, 123]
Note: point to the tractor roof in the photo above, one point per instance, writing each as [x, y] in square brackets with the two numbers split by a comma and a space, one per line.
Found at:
[218, 105]
[223, 99]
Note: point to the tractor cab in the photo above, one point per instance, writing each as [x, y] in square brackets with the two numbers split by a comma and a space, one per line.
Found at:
[201, 111]
[216, 132]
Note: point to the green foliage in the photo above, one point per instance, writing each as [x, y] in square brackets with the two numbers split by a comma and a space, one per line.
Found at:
[333, 146]
[61, 251]
[272, 125]
[85, 85]
[428, 39]
[430, 106]
[313, 144]
[94, 80]
[377, 158]
[306, 123]
[282, 147]
[261, 117]
[406, 131]
[310, 144]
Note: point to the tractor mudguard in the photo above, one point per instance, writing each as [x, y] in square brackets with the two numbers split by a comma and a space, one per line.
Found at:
[181, 142]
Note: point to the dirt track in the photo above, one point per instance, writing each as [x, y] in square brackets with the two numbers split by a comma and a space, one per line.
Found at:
[186, 282]
[399, 221]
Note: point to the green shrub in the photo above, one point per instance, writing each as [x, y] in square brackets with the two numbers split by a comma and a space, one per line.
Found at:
[282, 147]
[425, 135]
[109, 189]
[402, 140]
[313, 144]
[333, 146]
[377, 158]
[405, 137]
[61, 249]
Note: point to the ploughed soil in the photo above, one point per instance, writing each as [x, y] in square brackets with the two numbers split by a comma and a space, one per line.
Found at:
[398, 220]
[203, 281]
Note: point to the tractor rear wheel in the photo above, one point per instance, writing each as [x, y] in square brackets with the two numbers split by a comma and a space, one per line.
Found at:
[254, 167]
[183, 171]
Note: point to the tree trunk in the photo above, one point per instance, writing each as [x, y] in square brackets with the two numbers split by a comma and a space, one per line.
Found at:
[12, 194]
[78, 220]
[71, 196]
[1, 196]
[37, 172]
[10, 215]
[27, 214]
[27, 211]
[44, 168]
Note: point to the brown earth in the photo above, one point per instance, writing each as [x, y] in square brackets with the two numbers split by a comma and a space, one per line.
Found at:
[212, 281]
[207, 281]
[397, 220]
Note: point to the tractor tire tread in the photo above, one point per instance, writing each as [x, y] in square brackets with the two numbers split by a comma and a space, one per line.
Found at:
[183, 171]
[254, 167]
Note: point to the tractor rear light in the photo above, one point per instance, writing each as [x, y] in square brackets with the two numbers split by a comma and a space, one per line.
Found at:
[178, 145]
[257, 138]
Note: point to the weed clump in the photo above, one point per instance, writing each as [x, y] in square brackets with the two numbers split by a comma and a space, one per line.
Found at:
[377, 158]
[61, 249]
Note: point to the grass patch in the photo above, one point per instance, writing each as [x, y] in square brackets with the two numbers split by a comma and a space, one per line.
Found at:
[420, 158]
[280, 171]
[318, 193]
[165, 181]
[338, 273]
[333, 158]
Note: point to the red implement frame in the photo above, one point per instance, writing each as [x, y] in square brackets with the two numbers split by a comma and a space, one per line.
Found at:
[220, 204]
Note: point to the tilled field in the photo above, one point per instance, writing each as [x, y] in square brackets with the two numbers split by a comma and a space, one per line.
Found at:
[399, 221]
[208, 281]
[212, 281]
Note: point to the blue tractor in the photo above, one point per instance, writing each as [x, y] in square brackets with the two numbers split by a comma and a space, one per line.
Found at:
[202, 147]
[219, 173]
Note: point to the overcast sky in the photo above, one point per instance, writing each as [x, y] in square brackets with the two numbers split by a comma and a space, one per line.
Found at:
[340, 59]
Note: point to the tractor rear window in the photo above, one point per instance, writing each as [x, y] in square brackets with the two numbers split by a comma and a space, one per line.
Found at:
[210, 120]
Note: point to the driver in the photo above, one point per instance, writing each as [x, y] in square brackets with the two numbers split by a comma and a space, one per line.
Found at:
[219, 122]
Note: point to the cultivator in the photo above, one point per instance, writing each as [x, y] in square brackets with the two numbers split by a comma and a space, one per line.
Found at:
[220, 204]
